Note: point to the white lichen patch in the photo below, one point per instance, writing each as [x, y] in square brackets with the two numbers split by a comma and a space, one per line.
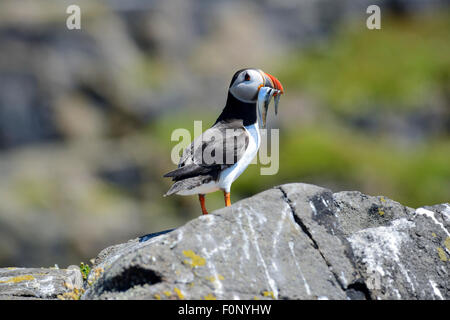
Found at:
[216, 277]
[245, 246]
[313, 207]
[174, 243]
[47, 287]
[379, 250]
[291, 247]
[279, 231]
[430, 214]
[436, 290]
[343, 279]
[270, 280]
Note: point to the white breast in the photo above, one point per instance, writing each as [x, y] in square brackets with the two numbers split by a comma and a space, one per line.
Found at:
[230, 174]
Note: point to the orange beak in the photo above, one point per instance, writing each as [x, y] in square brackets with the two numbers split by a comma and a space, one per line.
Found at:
[276, 84]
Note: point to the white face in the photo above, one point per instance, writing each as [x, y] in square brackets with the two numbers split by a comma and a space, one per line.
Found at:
[246, 85]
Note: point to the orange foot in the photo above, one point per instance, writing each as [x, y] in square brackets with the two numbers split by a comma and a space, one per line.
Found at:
[201, 197]
[227, 196]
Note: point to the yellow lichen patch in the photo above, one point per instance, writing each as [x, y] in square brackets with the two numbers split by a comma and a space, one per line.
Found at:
[167, 293]
[72, 295]
[157, 296]
[196, 260]
[68, 285]
[442, 254]
[11, 268]
[210, 297]
[381, 212]
[19, 279]
[256, 298]
[268, 294]
[178, 292]
[447, 243]
[215, 278]
[434, 234]
[382, 199]
[97, 272]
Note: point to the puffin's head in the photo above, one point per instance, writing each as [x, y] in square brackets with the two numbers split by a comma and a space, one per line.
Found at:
[246, 83]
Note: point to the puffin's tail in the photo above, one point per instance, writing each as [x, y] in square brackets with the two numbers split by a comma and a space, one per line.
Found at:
[173, 189]
[188, 184]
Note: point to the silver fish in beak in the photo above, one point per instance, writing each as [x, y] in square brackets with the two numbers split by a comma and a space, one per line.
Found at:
[264, 96]
[276, 100]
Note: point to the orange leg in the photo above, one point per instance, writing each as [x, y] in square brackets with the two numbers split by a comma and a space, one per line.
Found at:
[201, 197]
[226, 196]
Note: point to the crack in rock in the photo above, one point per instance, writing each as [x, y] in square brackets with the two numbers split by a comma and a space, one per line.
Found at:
[357, 286]
[308, 233]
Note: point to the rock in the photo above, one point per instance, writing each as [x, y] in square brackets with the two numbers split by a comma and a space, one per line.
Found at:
[295, 241]
[40, 283]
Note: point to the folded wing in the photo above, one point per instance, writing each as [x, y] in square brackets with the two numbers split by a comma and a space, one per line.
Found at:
[217, 148]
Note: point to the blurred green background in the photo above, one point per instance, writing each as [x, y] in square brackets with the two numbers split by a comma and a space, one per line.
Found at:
[86, 115]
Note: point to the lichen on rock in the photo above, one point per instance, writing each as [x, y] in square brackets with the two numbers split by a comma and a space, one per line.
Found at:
[294, 241]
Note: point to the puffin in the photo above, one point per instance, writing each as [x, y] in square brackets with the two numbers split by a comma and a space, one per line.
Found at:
[215, 159]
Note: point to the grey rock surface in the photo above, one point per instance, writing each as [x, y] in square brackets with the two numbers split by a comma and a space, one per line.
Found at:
[39, 283]
[295, 241]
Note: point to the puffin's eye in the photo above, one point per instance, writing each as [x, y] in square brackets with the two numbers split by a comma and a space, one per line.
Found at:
[247, 77]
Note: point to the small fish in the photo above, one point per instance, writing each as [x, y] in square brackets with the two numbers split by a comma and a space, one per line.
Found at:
[264, 96]
[259, 103]
[276, 100]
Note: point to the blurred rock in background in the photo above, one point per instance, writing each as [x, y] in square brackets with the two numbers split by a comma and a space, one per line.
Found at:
[86, 115]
